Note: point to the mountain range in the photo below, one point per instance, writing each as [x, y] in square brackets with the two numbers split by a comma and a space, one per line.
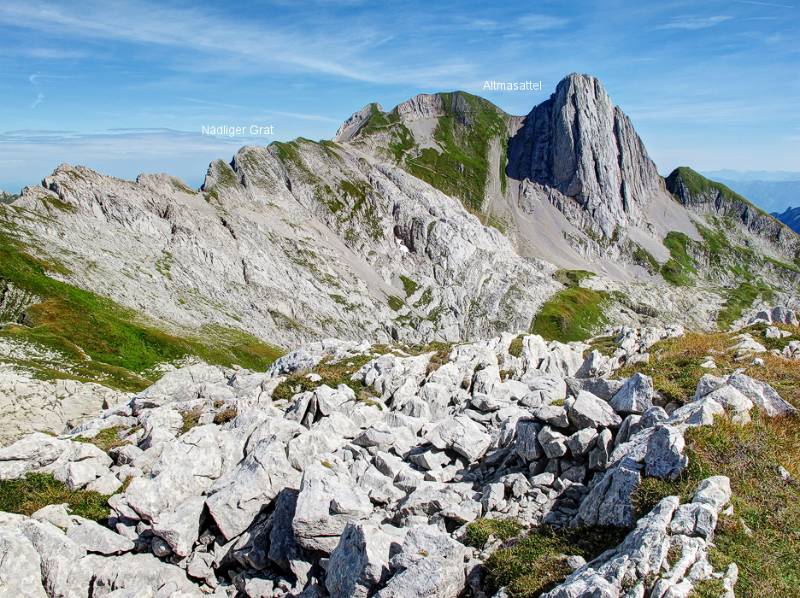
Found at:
[452, 352]
[442, 219]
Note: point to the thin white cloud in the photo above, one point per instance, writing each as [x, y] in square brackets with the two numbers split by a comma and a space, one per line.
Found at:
[692, 23]
[212, 103]
[244, 44]
[54, 53]
[754, 2]
[302, 116]
[39, 99]
[537, 22]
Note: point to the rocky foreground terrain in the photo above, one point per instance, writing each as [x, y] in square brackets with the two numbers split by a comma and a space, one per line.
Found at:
[350, 469]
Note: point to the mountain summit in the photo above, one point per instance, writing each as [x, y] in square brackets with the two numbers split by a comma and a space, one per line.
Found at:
[579, 143]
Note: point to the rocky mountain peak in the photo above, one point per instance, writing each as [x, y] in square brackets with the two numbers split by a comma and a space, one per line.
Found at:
[581, 144]
[350, 128]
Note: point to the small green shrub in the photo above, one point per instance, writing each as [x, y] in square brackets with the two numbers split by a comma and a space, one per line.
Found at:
[331, 374]
[191, 419]
[572, 278]
[739, 299]
[224, 416]
[515, 348]
[395, 303]
[409, 285]
[605, 344]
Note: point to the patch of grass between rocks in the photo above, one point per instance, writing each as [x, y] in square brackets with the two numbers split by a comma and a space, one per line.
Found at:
[537, 562]
[479, 531]
[573, 314]
[27, 495]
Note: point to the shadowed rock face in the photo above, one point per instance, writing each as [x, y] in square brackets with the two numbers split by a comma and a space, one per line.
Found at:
[581, 144]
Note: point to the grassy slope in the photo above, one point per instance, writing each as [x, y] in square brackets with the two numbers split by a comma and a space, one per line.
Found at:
[573, 314]
[763, 535]
[697, 184]
[680, 268]
[461, 169]
[536, 562]
[736, 262]
[104, 341]
[36, 490]
[716, 254]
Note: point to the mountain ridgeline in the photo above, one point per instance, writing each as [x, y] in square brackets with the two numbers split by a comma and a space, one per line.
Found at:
[443, 219]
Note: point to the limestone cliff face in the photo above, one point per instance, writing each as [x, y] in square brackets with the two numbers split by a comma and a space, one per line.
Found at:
[581, 144]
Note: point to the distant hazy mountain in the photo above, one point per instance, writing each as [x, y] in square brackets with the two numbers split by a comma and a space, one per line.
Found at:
[7, 197]
[791, 218]
[753, 175]
[770, 193]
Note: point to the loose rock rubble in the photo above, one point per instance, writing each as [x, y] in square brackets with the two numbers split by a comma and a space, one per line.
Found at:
[365, 489]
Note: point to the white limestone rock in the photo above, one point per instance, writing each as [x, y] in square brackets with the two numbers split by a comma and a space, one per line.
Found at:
[665, 456]
[635, 396]
[589, 411]
[360, 561]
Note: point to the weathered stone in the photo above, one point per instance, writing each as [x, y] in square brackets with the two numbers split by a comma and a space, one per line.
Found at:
[328, 499]
[635, 396]
[527, 444]
[181, 527]
[235, 499]
[554, 444]
[762, 394]
[462, 435]
[552, 415]
[429, 563]
[93, 537]
[609, 500]
[664, 457]
[360, 562]
[589, 411]
[581, 441]
[599, 455]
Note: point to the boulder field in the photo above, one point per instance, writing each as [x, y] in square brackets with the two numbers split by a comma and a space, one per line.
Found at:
[226, 482]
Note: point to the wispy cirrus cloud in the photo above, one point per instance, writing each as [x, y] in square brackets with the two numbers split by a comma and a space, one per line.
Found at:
[539, 22]
[202, 32]
[758, 3]
[691, 23]
[527, 22]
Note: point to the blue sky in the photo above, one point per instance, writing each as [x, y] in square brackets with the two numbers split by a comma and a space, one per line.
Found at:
[126, 87]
